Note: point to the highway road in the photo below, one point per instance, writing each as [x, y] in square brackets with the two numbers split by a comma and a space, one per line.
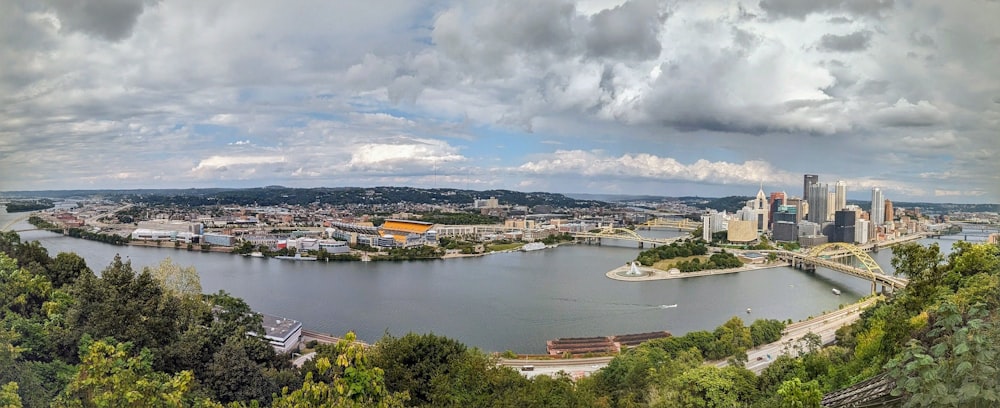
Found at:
[825, 326]
[758, 358]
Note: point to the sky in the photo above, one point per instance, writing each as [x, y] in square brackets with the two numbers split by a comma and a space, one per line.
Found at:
[670, 98]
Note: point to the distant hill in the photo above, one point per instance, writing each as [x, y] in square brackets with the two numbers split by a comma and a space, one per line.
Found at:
[612, 198]
[278, 195]
[730, 204]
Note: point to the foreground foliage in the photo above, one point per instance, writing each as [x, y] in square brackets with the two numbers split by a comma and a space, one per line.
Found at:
[71, 338]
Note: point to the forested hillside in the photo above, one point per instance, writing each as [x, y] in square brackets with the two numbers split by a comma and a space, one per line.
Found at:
[150, 338]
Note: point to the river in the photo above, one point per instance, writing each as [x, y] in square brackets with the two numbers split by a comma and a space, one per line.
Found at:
[509, 301]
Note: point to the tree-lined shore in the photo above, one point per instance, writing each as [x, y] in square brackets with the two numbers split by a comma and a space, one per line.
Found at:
[70, 337]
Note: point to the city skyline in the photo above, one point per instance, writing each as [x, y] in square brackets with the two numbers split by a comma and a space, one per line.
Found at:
[609, 97]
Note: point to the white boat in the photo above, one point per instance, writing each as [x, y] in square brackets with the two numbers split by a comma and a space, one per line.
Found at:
[257, 254]
[297, 257]
[533, 246]
[836, 291]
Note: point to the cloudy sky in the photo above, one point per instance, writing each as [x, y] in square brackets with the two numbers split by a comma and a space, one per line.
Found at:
[644, 97]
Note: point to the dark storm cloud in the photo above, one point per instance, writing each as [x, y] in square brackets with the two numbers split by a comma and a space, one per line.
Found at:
[856, 41]
[626, 31]
[799, 9]
[111, 20]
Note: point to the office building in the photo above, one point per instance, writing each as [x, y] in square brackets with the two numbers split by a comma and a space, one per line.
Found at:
[807, 181]
[759, 209]
[877, 212]
[831, 204]
[784, 227]
[800, 207]
[713, 222]
[889, 214]
[777, 199]
[840, 191]
[861, 227]
[818, 195]
[844, 223]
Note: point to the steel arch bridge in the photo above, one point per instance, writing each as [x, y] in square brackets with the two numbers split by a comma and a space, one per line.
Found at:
[845, 258]
[845, 250]
[624, 234]
[682, 225]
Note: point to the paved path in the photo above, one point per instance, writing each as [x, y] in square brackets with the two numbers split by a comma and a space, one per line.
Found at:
[300, 360]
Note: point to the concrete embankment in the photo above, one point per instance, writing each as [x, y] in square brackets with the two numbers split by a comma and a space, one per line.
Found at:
[649, 273]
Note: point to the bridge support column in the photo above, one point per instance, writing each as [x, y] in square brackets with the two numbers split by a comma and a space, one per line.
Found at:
[641, 244]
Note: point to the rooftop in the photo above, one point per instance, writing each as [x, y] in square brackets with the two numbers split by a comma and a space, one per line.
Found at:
[279, 328]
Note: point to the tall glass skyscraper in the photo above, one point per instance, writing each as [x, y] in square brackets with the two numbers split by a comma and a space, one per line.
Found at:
[877, 212]
[841, 196]
[808, 180]
[818, 195]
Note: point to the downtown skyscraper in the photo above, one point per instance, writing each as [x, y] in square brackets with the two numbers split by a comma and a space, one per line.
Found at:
[840, 199]
[877, 212]
[808, 180]
[818, 196]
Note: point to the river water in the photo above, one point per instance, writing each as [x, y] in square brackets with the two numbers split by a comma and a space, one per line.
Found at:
[509, 301]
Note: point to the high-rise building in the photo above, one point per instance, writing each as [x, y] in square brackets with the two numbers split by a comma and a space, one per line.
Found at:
[877, 212]
[861, 231]
[760, 210]
[800, 207]
[889, 214]
[831, 204]
[784, 227]
[841, 196]
[818, 194]
[843, 226]
[777, 199]
[808, 180]
[713, 222]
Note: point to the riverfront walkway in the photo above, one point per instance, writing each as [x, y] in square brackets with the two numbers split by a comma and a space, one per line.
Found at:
[651, 274]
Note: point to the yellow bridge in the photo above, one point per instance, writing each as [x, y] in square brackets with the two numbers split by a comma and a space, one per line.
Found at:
[845, 258]
[681, 225]
[625, 235]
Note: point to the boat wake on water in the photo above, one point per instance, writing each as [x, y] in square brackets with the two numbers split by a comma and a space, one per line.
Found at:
[639, 306]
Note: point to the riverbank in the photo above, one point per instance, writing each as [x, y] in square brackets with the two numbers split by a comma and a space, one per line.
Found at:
[658, 274]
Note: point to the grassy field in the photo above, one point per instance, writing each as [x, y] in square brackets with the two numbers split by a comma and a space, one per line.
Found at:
[666, 264]
[505, 247]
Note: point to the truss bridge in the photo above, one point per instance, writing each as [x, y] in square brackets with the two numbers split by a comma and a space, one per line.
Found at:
[844, 258]
[682, 224]
[623, 234]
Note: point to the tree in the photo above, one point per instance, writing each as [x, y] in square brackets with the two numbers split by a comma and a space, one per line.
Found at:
[358, 384]
[797, 394]
[22, 291]
[122, 304]
[233, 376]
[110, 377]
[475, 380]
[65, 268]
[9, 397]
[730, 339]
[412, 361]
[763, 331]
[181, 282]
[710, 386]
